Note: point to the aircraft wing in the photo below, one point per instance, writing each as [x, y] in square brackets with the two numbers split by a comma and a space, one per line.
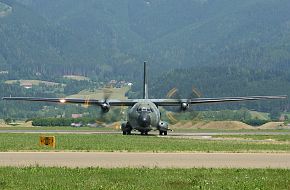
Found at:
[174, 102]
[75, 101]
[158, 102]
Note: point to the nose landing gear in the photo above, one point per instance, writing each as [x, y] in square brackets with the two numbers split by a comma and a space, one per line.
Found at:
[162, 133]
[144, 133]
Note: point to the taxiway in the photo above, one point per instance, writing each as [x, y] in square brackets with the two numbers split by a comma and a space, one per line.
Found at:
[148, 160]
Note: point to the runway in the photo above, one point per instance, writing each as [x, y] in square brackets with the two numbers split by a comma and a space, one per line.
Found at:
[148, 160]
[175, 134]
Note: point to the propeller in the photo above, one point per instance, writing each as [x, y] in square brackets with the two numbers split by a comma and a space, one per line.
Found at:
[105, 106]
[122, 119]
[184, 103]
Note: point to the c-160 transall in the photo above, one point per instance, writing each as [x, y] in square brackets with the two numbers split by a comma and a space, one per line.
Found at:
[144, 114]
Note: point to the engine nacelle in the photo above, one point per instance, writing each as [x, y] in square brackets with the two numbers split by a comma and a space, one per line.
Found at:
[105, 107]
[184, 106]
[163, 126]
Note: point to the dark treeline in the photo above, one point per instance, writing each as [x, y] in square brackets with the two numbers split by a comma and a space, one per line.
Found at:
[107, 38]
[222, 47]
[219, 81]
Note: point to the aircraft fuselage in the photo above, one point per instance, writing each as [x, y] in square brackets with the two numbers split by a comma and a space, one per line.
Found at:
[144, 116]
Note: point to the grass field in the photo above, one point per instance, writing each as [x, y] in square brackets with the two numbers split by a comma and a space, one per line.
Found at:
[33, 82]
[97, 178]
[259, 137]
[134, 143]
[115, 93]
[4, 10]
[76, 77]
[16, 128]
[259, 115]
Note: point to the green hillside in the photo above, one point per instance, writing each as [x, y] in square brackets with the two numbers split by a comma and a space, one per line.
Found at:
[171, 33]
[222, 47]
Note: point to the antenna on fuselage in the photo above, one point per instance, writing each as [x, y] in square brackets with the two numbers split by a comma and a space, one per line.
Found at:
[145, 80]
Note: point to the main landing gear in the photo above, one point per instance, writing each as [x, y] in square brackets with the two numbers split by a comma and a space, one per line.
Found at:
[127, 133]
[126, 128]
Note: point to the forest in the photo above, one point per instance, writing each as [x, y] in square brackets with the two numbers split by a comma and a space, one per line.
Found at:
[221, 47]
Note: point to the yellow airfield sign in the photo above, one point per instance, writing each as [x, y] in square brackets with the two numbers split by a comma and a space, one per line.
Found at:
[47, 141]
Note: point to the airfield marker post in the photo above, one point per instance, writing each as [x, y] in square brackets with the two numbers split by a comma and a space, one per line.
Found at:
[47, 141]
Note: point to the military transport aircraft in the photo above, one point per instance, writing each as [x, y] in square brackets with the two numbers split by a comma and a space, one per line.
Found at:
[144, 114]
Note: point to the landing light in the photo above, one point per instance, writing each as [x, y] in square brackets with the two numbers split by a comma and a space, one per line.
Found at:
[62, 101]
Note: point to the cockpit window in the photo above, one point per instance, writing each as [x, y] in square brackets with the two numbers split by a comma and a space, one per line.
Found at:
[144, 109]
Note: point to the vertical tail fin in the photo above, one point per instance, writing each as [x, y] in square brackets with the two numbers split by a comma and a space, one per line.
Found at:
[145, 84]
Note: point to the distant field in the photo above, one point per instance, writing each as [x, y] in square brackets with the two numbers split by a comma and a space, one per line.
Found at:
[130, 178]
[4, 10]
[33, 82]
[134, 143]
[115, 93]
[76, 77]
[259, 115]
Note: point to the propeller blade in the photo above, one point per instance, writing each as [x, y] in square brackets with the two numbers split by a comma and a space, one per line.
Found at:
[175, 94]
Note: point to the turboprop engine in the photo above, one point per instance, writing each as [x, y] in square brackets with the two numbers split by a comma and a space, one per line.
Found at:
[163, 126]
[105, 107]
[184, 106]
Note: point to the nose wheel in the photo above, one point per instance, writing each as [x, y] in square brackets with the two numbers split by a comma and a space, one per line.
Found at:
[162, 133]
[144, 133]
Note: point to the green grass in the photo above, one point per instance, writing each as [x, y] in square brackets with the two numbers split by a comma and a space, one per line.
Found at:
[97, 178]
[258, 137]
[59, 128]
[259, 115]
[115, 93]
[4, 9]
[33, 82]
[134, 143]
[76, 77]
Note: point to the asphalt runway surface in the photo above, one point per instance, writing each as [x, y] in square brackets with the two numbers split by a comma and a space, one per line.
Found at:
[174, 134]
[148, 160]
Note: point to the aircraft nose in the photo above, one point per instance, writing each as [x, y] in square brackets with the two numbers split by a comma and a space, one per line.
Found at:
[144, 120]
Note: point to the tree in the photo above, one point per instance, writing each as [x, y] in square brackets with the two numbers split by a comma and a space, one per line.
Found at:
[7, 120]
[274, 115]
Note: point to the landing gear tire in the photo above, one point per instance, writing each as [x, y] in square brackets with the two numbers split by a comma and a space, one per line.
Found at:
[126, 132]
[162, 133]
[126, 128]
